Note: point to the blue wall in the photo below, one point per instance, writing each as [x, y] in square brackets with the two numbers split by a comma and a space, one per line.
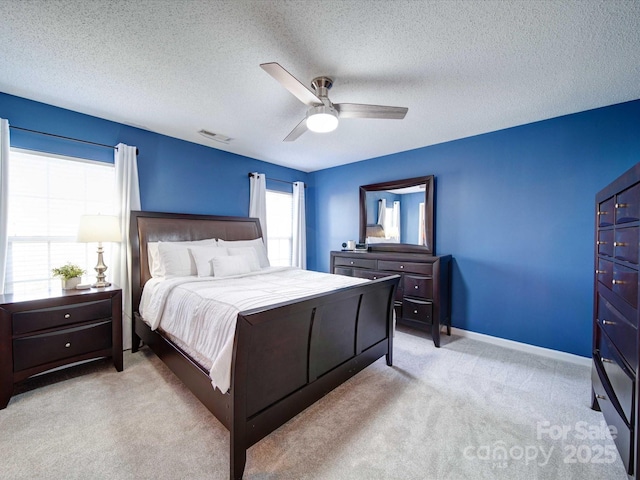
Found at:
[175, 175]
[514, 207]
[516, 210]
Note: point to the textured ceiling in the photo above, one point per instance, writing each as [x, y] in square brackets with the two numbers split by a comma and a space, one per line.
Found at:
[461, 67]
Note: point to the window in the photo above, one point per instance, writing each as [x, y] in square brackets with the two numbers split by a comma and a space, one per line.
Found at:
[47, 195]
[279, 227]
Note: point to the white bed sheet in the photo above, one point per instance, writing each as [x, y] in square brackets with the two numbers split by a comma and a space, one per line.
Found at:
[201, 312]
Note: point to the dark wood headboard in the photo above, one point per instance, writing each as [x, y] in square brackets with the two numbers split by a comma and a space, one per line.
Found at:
[176, 227]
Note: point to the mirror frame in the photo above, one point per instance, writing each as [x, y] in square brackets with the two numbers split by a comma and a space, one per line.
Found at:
[429, 224]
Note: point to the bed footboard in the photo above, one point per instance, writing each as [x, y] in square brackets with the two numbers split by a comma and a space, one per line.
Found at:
[288, 356]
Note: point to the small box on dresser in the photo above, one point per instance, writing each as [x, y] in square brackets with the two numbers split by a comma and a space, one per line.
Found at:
[423, 297]
[40, 332]
[615, 323]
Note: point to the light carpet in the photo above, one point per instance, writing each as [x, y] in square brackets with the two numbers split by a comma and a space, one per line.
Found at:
[468, 410]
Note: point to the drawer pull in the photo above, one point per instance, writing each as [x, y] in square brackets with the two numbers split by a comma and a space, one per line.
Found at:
[401, 266]
[67, 315]
[600, 397]
[601, 242]
[351, 262]
[416, 287]
[67, 345]
[601, 272]
[606, 360]
[617, 282]
[608, 322]
[603, 213]
[622, 205]
[619, 244]
[415, 311]
[375, 278]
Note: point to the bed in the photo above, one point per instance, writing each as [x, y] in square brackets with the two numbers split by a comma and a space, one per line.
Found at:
[284, 356]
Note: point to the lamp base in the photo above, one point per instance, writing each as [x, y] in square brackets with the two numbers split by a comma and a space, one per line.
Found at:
[101, 285]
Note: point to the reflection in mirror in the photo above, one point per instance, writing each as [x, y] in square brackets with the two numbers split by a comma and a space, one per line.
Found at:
[396, 215]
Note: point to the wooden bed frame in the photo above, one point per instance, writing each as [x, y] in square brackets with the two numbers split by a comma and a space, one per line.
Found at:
[285, 357]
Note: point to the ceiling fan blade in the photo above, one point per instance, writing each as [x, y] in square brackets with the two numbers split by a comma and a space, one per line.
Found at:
[291, 83]
[296, 132]
[358, 110]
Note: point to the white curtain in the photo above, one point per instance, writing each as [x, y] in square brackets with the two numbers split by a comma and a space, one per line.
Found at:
[299, 247]
[258, 201]
[382, 211]
[128, 199]
[421, 227]
[395, 223]
[4, 197]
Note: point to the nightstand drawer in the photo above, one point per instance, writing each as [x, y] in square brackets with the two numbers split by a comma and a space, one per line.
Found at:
[417, 310]
[418, 286]
[33, 320]
[625, 284]
[409, 267]
[49, 347]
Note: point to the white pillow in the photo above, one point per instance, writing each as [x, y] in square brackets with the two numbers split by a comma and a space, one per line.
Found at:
[175, 259]
[203, 255]
[230, 265]
[247, 252]
[257, 244]
[153, 255]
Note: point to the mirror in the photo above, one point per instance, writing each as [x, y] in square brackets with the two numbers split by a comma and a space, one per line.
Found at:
[398, 215]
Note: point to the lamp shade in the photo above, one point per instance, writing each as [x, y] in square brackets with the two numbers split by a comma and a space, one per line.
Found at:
[99, 228]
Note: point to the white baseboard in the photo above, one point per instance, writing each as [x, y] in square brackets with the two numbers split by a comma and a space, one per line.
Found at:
[524, 347]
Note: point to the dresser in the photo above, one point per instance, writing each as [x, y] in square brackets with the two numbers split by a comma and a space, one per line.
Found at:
[45, 331]
[423, 297]
[615, 323]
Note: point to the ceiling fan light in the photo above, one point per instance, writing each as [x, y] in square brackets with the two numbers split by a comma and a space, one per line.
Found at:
[322, 119]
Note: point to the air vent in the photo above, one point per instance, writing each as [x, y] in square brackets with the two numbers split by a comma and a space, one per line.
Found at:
[215, 136]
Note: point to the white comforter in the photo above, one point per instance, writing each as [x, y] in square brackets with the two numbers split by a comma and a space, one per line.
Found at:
[202, 312]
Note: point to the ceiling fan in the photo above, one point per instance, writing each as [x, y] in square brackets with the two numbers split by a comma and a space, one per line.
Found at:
[322, 115]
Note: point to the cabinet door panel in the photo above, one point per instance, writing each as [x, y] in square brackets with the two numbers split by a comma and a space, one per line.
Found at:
[606, 211]
[625, 284]
[625, 245]
[605, 242]
[605, 272]
[619, 330]
[628, 205]
[623, 439]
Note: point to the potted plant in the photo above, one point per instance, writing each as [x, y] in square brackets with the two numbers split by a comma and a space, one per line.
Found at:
[69, 274]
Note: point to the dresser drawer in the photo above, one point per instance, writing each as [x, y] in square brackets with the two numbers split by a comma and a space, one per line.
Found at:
[625, 284]
[627, 205]
[49, 347]
[409, 267]
[606, 210]
[623, 438]
[625, 245]
[370, 274]
[348, 272]
[605, 272]
[417, 310]
[33, 320]
[619, 330]
[605, 242]
[418, 286]
[622, 383]
[356, 262]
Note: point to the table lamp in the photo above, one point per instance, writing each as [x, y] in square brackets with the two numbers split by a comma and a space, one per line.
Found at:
[99, 228]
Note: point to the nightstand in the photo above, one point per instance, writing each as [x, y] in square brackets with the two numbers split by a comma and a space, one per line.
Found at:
[40, 332]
